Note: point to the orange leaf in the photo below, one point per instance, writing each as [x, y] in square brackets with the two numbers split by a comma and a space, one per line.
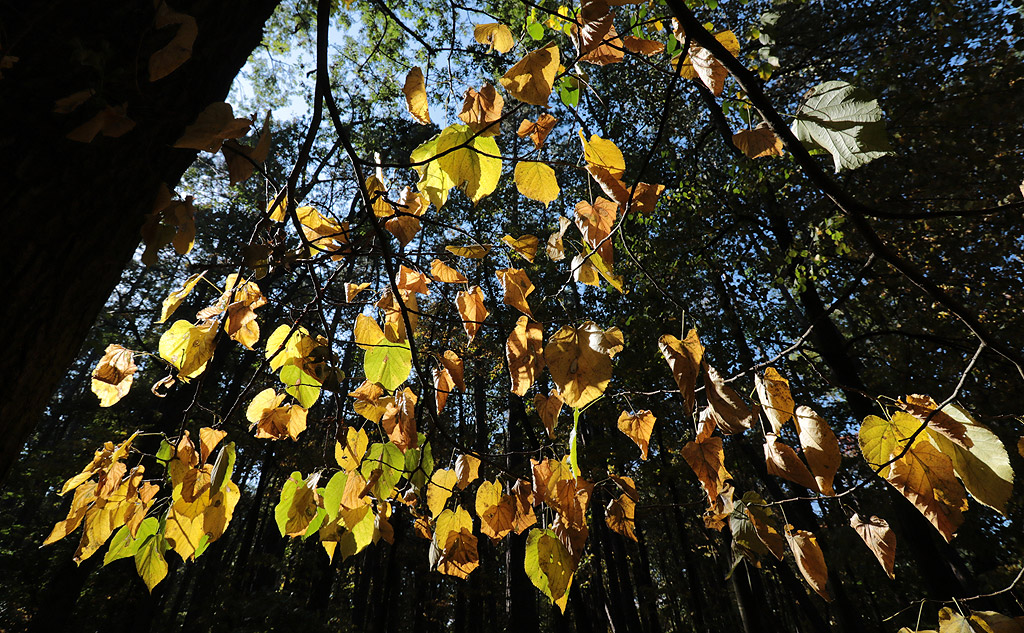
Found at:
[707, 459]
[525, 353]
[809, 560]
[472, 310]
[782, 461]
[517, 288]
[638, 427]
[684, 358]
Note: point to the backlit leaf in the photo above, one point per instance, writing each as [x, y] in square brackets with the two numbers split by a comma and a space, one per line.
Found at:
[188, 347]
[776, 400]
[475, 166]
[548, 407]
[549, 566]
[517, 288]
[638, 427]
[684, 359]
[537, 131]
[707, 459]
[536, 181]
[782, 461]
[580, 371]
[113, 375]
[472, 310]
[496, 36]
[809, 560]
[530, 80]
[416, 96]
[821, 448]
[481, 111]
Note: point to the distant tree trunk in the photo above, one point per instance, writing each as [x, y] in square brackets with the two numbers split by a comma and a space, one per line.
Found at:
[71, 212]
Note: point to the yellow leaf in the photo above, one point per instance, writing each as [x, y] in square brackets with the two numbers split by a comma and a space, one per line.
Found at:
[474, 162]
[366, 333]
[522, 495]
[209, 438]
[821, 448]
[776, 400]
[188, 347]
[351, 454]
[481, 111]
[378, 194]
[112, 378]
[530, 80]
[809, 560]
[580, 371]
[416, 96]
[173, 300]
[548, 408]
[497, 36]
[880, 439]
[549, 566]
[517, 288]
[472, 252]
[536, 181]
[524, 246]
[595, 223]
[273, 421]
[472, 310]
[602, 153]
[353, 290]
[638, 427]
[525, 354]
[439, 489]
[176, 52]
[684, 359]
[709, 70]
[879, 538]
[445, 273]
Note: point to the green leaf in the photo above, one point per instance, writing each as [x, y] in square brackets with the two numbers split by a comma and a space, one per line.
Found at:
[475, 167]
[843, 120]
[536, 31]
[164, 453]
[333, 493]
[880, 439]
[223, 467]
[314, 525]
[388, 363]
[122, 545]
[300, 385]
[150, 561]
[434, 182]
[297, 507]
[549, 566]
[573, 453]
[390, 460]
[426, 462]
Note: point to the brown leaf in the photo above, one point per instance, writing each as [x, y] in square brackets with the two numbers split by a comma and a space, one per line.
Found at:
[603, 49]
[821, 448]
[399, 420]
[453, 536]
[525, 246]
[112, 378]
[554, 248]
[453, 364]
[208, 440]
[537, 131]
[642, 46]
[684, 359]
[467, 469]
[214, 124]
[595, 223]
[179, 50]
[443, 386]
[522, 494]
[579, 369]
[517, 288]
[922, 406]
[472, 310]
[707, 459]
[776, 400]
[758, 143]
[112, 121]
[782, 461]
[416, 96]
[242, 159]
[879, 538]
[638, 427]
[725, 406]
[548, 409]
[620, 516]
[409, 280]
[497, 511]
[525, 353]
[531, 79]
[809, 560]
[71, 102]
[481, 111]
[926, 478]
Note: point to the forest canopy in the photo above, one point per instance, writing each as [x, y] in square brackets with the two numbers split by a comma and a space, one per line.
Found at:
[646, 316]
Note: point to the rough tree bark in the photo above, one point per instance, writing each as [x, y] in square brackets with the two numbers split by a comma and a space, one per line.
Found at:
[72, 211]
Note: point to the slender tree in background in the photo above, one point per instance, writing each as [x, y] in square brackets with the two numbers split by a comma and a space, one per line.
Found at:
[661, 316]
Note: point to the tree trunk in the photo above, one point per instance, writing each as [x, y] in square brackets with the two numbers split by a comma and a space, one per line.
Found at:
[72, 211]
